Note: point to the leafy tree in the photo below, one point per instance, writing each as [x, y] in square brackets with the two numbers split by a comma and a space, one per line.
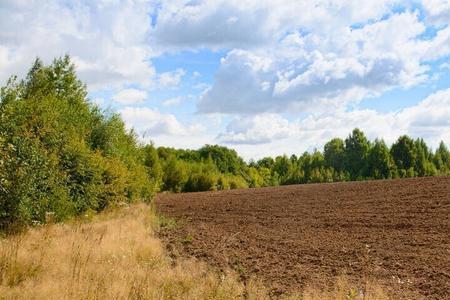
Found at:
[379, 161]
[334, 154]
[268, 178]
[226, 160]
[423, 165]
[154, 167]
[256, 180]
[175, 175]
[266, 162]
[283, 167]
[441, 159]
[356, 150]
[202, 176]
[404, 154]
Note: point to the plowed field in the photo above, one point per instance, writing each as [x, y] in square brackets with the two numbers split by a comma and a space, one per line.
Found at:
[395, 232]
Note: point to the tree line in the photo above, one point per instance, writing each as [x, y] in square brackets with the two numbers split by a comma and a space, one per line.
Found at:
[61, 154]
[215, 167]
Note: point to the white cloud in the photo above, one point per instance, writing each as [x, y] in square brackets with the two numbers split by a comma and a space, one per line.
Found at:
[210, 24]
[107, 39]
[257, 129]
[438, 11]
[428, 119]
[250, 23]
[170, 79]
[172, 101]
[313, 71]
[150, 123]
[130, 96]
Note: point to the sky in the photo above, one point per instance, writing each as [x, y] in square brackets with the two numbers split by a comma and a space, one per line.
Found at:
[264, 77]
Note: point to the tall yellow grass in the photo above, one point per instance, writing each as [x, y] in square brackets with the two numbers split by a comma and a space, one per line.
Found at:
[117, 255]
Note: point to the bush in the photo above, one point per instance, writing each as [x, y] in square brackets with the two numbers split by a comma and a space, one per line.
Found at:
[59, 153]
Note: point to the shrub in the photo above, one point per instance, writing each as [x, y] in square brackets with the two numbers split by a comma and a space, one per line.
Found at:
[59, 153]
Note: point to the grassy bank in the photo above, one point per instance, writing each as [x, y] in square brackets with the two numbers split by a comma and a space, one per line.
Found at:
[117, 255]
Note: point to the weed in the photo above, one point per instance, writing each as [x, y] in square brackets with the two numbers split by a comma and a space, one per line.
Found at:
[240, 269]
[352, 294]
[167, 223]
[188, 239]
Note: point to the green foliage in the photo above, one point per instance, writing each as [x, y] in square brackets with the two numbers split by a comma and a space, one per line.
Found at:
[441, 159]
[256, 180]
[59, 153]
[167, 223]
[356, 158]
[404, 153]
[234, 182]
[424, 159]
[379, 162]
[154, 167]
[226, 160]
[283, 167]
[202, 177]
[356, 150]
[175, 175]
[266, 162]
[334, 154]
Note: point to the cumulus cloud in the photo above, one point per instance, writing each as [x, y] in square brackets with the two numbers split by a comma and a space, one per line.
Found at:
[149, 122]
[438, 11]
[258, 129]
[107, 39]
[428, 119]
[213, 24]
[305, 72]
[252, 23]
[130, 96]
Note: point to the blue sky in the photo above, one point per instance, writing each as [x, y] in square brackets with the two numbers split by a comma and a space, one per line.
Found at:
[263, 77]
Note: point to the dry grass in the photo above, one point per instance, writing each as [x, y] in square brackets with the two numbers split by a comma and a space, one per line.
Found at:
[116, 255]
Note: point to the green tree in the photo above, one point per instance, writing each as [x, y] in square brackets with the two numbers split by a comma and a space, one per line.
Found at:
[175, 175]
[424, 159]
[441, 159]
[202, 176]
[356, 150]
[380, 164]
[266, 162]
[282, 167]
[404, 154]
[334, 154]
[226, 160]
[256, 180]
[154, 167]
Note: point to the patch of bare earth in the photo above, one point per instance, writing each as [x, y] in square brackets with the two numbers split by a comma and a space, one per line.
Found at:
[395, 233]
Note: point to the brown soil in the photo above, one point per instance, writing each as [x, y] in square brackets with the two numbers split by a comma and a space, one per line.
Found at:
[394, 232]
